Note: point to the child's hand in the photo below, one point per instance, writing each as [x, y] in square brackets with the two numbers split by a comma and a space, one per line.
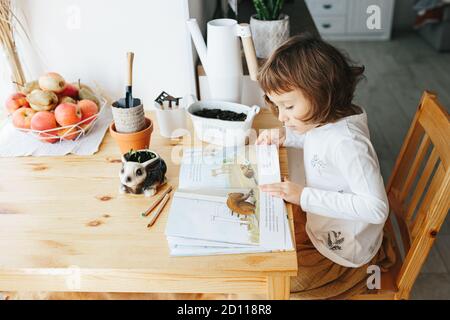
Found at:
[286, 190]
[272, 136]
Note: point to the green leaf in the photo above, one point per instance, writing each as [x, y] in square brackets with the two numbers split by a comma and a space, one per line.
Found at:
[270, 5]
[261, 9]
[277, 10]
[255, 4]
[265, 11]
[268, 9]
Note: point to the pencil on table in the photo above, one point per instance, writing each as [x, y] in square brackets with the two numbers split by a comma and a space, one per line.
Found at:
[157, 201]
[155, 215]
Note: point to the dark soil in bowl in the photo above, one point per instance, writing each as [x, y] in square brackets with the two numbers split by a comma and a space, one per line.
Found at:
[221, 114]
[139, 156]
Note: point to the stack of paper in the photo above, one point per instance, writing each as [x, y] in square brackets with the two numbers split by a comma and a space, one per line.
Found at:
[219, 209]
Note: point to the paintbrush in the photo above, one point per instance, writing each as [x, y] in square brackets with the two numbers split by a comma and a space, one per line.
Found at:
[155, 215]
[158, 200]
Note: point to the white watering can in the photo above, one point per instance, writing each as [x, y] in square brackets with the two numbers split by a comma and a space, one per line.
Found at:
[222, 59]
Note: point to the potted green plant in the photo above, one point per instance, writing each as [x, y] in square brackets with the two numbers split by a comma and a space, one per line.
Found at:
[269, 26]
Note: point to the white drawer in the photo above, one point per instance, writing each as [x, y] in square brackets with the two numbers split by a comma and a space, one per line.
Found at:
[331, 25]
[327, 7]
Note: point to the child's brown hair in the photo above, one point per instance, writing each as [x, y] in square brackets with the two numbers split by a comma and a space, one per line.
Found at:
[325, 76]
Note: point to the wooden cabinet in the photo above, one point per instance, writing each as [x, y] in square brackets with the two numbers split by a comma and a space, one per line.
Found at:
[352, 19]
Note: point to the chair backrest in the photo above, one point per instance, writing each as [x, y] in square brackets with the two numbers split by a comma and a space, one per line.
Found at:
[419, 188]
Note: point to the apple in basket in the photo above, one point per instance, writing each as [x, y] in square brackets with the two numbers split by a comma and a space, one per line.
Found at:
[45, 120]
[67, 114]
[41, 100]
[21, 118]
[69, 91]
[52, 81]
[88, 109]
[69, 133]
[16, 101]
[65, 99]
[28, 87]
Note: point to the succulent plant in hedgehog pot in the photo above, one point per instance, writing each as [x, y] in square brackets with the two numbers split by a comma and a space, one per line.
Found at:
[270, 27]
[143, 171]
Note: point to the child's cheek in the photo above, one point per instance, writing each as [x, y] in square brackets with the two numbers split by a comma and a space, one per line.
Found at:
[299, 122]
[303, 127]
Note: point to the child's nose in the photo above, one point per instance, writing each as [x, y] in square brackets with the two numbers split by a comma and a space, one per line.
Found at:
[282, 117]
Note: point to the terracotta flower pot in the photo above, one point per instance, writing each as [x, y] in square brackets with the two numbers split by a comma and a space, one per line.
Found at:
[135, 140]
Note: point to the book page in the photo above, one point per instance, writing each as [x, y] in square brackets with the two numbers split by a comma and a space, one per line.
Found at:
[208, 217]
[231, 167]
[219, 208]
[182, 250]
[180, 241]
[273, 226]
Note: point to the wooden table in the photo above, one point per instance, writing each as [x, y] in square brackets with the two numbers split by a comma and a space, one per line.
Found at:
[65, 227]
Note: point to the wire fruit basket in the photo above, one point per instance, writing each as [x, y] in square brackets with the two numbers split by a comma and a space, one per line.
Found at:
[68, 133]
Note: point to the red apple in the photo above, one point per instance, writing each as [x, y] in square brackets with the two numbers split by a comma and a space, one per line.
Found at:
[42, 100]
[85, 126]
[45, 120]
[66, 99]
[70, 91]
[52, 81]
[67, 114]
[21, 118]
[16, 101]
[69, 133]
[49, 137]
[88, 109]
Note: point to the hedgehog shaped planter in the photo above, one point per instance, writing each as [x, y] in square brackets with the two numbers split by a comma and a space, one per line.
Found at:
[142, 172]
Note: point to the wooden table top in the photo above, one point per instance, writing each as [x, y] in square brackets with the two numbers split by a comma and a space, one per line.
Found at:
[60, 212]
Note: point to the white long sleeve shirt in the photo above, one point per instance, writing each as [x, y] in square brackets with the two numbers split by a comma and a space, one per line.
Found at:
[344, 195]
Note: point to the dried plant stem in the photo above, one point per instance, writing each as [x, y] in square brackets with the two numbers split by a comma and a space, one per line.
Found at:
[8, 43]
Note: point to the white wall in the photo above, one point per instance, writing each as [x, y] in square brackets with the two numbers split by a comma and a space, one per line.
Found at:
[203, 11]
[89, 40]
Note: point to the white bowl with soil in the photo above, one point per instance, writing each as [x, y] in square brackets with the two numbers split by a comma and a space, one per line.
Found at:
[222, 123]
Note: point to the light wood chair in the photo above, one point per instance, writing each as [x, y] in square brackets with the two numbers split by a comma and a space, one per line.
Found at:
[419, 196]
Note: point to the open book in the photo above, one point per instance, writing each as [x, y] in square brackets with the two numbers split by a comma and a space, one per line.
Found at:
[218, 207]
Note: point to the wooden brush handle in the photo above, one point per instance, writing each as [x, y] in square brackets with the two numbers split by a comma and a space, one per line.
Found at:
[155, 215]
[158, 200]
[130, 57]
[249, 49]
[250, 57]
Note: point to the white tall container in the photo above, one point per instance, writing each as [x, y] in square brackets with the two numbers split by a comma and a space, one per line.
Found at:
[222, 60]
[172, 122]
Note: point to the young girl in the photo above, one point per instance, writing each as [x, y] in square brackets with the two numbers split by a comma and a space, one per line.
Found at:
[309, 85]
